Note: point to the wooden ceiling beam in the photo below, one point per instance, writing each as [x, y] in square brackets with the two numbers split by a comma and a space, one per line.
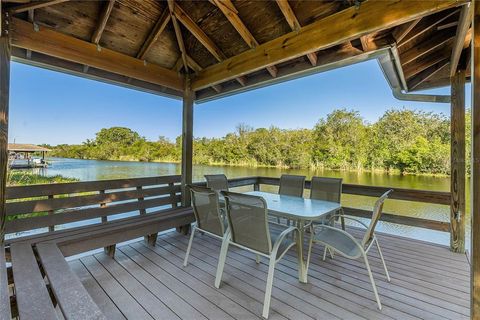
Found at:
[341, 27]
[294, 25]
[412, 69]
[55, 44]
[178, 34]
[429, 45]
[34, 5]
[427, 74]
[102, 21]
[201, 36]
[152, 37]
[400, 32]
[230, 12]
[464, 23]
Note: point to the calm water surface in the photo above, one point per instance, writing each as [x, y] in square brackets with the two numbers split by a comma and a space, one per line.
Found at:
[87, 170]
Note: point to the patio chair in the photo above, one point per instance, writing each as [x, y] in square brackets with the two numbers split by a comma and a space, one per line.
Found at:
[345, 244]
[209, 219]
[249, 229]
[217, 182]
[291, 185]
[327, 189]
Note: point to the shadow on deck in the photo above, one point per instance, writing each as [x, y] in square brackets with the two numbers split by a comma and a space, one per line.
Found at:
[142, 282]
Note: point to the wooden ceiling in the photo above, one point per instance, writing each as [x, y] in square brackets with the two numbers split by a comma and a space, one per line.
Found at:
[228, 46]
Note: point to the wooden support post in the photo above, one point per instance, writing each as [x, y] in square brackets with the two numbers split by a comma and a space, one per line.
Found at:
[187, 147]
[457, 166]
[187, 140]
[256, 187]
[475, 170]
[52, 227]
[109, 250]
[4, 99]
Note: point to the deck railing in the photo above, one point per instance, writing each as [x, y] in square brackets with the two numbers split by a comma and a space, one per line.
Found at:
[41, 206]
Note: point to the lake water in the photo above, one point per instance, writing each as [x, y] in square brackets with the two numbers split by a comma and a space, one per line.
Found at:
[88, 170]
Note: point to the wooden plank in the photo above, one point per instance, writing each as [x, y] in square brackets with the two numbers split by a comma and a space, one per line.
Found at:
[21, 207]
[294, 25]
[71, 296]
[187, 140]
[403, 220]
[426, 196]
[127, 304]
[457, 163]
[50, 42]
[5, 51]
[464, 23]
[154, 306]
[426, 74]
[5, 311]
[178, 34]
[230, 12]
[102, 21]
[322, 34]
[24, 224]
[154, 34]
[475, 167]
[41, 190]
[431, 44]
[34, 5]
[33, 299]
[401, 31]
[102, 300]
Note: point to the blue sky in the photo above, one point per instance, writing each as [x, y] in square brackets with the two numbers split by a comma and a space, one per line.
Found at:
[54, 108]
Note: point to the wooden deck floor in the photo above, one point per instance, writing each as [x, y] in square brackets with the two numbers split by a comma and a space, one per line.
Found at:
[428, 282]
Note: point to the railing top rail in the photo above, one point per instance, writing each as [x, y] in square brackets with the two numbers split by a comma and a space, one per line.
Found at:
[39, 190]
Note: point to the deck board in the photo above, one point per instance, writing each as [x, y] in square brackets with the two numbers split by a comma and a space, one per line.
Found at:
[428, 282]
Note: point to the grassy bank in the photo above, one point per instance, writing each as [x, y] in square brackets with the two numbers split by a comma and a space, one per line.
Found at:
[24, 178]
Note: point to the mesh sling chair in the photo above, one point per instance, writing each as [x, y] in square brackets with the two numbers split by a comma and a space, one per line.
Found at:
[345, 244]
[249, 229]
[328, 189]
[291, 185]
[217, 182]
[208, 218]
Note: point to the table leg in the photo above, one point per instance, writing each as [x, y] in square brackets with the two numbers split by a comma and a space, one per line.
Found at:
[302, 267]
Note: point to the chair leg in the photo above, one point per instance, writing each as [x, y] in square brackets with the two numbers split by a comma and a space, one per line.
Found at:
[268, 289]
[325, 253]
[372, 281]
[383, 260]
[310, 245]
[257, 258]
[189, 247]
[221, 262]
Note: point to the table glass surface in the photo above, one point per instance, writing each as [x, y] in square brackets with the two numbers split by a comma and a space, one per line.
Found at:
[296, 207]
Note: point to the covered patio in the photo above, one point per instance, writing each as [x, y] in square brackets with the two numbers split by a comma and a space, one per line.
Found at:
[198, 51]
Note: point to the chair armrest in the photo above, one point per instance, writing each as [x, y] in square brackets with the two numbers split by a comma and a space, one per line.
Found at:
[281, 237]
[349, 218]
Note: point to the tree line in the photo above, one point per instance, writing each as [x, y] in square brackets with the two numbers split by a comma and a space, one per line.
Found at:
[404, 141]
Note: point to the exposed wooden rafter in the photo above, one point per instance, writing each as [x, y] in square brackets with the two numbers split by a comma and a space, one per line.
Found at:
[231, 13]
[425, 62]
[30, 18]
[178, 34]
[152, 37]
[461, 33]
[427, 74]
[341, 27]
[400, 32]
[294, 25]
[200, 35]
[102, 21]
[429, 45]
[55, 44]
[34, 5]
[425, 25]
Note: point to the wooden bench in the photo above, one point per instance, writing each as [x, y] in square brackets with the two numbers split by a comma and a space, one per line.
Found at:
[33, 299]
[151, 203]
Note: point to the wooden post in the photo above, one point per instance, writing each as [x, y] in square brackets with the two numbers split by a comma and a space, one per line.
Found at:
[187, 146]
[475, 171]
[457, 166]
[4, 99]
[187, 140]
